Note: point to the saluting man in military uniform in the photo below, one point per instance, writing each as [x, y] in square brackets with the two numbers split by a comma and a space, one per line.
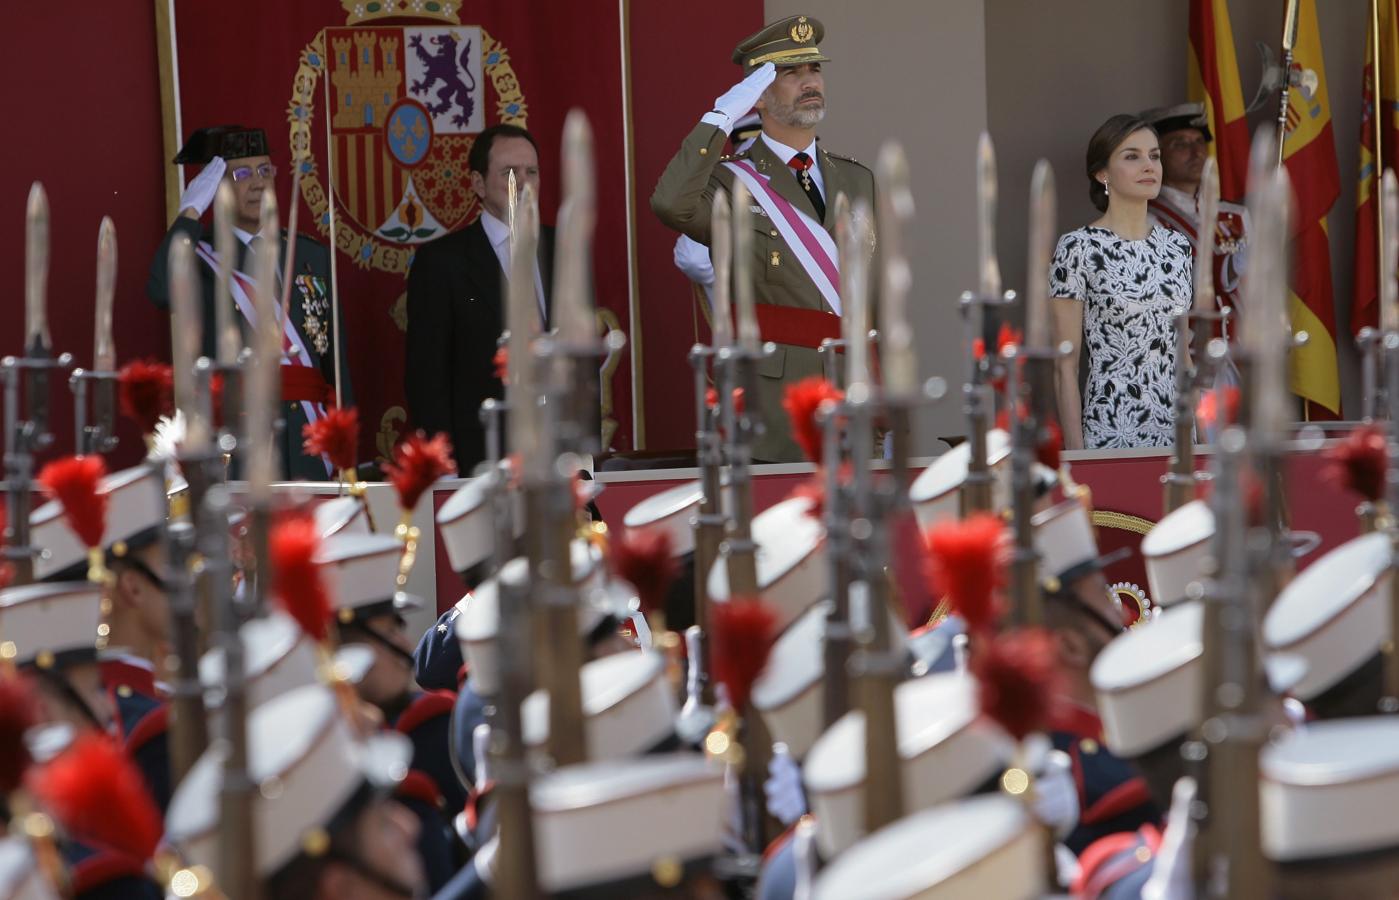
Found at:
[794, 181]
[308, 364]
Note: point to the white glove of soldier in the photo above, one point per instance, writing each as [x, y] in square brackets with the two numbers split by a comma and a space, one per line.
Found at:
[783, 787]
[692, 258]
[1170, 873]
[739, 99]
[1056, 795]
[199, 193]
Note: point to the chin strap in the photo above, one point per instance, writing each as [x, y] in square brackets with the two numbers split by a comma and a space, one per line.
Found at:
[60, 684]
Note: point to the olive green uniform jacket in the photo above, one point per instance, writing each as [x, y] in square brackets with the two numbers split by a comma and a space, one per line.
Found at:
[683, 200]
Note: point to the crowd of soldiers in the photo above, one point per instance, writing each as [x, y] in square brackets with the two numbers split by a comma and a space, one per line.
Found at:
[887, 685]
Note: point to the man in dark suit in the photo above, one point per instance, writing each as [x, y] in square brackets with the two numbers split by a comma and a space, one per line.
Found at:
[455, 308]
[240, 156]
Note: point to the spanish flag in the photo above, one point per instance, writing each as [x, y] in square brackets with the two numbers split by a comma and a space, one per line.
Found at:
[1364, 304]
[1213, 79]
[1309, 152]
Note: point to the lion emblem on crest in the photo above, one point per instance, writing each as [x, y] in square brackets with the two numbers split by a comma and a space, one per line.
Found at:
[446, 66]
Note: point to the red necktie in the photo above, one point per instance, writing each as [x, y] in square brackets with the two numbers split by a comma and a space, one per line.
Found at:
[801, 164]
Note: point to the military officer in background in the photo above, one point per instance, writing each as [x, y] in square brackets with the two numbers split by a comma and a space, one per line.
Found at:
[1185, 138]
[240, 155]
[794, 181]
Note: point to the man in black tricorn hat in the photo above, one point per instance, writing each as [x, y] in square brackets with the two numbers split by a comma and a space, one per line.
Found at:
[240, 156]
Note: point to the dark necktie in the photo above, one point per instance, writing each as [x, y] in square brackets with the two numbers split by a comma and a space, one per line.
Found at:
[801, 164]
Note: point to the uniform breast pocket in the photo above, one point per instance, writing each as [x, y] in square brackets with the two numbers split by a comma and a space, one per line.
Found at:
[770, 252]
[775, 365]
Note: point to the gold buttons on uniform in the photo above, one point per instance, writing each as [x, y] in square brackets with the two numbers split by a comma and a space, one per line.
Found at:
[1088, 745]
[123, 691]
[704, 151]
[772, 233]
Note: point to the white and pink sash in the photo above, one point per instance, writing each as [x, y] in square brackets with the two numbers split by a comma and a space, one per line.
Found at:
[812, 245]
[294, 352]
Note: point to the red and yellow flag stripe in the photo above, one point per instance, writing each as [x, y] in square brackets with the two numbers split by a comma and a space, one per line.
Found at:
[1213, 78]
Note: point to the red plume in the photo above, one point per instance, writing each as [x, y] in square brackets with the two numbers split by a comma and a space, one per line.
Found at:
[335, 435]
[1358, 462]
[19, 712]
[801, 401]
[966, 559]
[7, 569]
[741, 633]
[1214, 403]
[99, 795]
[1051, 445]
[417, 463]
[909, 567]
[145, 392]
[296, 576]
[644, 558]
[502, 362]
[814, 490]
[74, 482]
[711, 399]
[1017, 680]
[1051, 442]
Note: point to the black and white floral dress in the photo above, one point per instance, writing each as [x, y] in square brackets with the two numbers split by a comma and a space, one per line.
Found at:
[1131, 291]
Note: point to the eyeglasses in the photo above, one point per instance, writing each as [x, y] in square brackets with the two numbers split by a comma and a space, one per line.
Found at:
[266, 171]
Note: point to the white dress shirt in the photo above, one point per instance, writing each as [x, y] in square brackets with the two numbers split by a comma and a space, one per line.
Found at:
[786, 153]
[498, 233]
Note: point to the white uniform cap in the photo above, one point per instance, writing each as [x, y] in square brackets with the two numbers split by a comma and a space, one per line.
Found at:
[45, 622]
[136, 503]
[341, 515]
[466, 523]
[277, 657]
[1330, 789]
[671, 511]
[948, 750]
[1148, 680]
[628, 706]
[791, 560]
[1335, 613]
[361, 570]
[790, 694]
[985, 847]
[935, 492]
[479, 622]
[308, 765]
[1175, 550]
[604, 822]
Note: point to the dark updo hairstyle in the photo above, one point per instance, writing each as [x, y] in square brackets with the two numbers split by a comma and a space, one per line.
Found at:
[1105, 140]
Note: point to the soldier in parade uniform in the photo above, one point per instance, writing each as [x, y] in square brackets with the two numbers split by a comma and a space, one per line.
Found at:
[240, 155]
[794, 181]
[1185, 138]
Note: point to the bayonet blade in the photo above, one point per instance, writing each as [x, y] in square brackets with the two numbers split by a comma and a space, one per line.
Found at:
[104, 354]
[36, 272]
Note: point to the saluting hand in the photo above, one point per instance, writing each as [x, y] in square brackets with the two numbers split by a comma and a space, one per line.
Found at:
[199, 193]
[738, 100]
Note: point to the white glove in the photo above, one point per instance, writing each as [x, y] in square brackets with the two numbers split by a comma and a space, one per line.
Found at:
[199, 193]
[735, 103]
[1170, 874]
[481, 749]
[1056, 795]
[783, 787]
[692, 258]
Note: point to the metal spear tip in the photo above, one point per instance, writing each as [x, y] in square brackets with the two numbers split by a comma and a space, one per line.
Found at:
[892, 168]
[1262, 158]
[578, 170]
[267, 215]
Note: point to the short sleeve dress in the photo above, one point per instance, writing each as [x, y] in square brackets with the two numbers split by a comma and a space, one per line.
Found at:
[1131, 291]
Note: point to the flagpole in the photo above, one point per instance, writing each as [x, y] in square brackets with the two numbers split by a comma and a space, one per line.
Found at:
[1289, 41]
[336, 336]
[1377, 123]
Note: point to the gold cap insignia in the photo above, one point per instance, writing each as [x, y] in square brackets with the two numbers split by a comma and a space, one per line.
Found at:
[801, 31]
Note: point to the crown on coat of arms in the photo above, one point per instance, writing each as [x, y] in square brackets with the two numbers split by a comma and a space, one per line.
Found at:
[360, 11]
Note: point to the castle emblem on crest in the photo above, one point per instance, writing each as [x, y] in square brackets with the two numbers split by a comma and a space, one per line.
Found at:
[405, 103]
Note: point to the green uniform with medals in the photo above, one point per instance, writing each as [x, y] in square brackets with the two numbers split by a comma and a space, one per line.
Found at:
[684, 197]
[309, 301]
